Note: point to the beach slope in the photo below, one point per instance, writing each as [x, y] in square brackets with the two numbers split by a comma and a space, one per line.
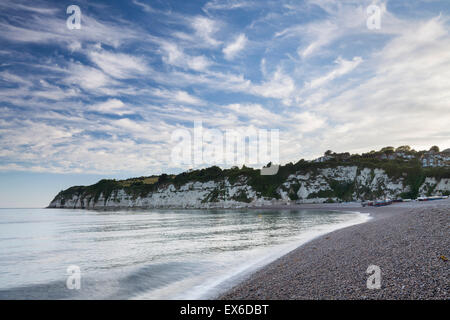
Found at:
[409, 242]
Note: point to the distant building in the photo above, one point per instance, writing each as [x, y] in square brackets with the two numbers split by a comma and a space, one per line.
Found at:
[405, 156]
[342, 156]
[428, 159]
[387, 156]
[446, 157]
[323, 159]
[435, 159]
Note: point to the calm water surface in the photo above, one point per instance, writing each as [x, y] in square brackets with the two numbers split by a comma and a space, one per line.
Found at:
[147, 254]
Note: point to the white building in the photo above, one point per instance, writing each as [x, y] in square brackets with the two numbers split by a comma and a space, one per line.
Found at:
[323, 159]
[433, 159]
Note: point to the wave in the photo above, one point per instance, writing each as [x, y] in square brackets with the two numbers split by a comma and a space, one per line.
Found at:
[183, 273]
[211, 284]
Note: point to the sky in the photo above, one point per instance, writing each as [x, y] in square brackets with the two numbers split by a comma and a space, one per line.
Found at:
[103, 101]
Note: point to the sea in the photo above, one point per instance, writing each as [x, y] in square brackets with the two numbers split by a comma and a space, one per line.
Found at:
[147, 254]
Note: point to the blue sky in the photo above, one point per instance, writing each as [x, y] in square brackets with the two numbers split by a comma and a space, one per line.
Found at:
[103, 101]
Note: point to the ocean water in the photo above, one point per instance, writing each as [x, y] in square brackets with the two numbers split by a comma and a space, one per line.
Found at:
[147, 254]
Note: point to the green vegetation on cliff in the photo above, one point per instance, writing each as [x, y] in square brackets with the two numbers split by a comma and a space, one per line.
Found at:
[268, 185]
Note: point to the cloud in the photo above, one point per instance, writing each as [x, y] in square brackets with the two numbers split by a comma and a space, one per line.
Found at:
[118, 65]
[144, 6]
[344, 67]
[205, 29]
[48, 28]
[114, 106]
[88, 78]
[173, 55]
[227, 5]
[13, 78]
[177, 96]
[20, 7]
[405, 99]
[185, 97]
[233, 48]
[106, 98]
[280, 86]
[344, 19]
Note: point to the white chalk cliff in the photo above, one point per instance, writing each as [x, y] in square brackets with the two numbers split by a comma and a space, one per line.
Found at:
[342, 183]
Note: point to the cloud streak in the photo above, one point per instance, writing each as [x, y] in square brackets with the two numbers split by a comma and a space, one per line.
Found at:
[233, 48]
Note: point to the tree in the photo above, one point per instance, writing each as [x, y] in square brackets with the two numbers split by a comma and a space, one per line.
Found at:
[403, 149]
[163, 178]
[388, 150]
[328, 153]
[434, 149]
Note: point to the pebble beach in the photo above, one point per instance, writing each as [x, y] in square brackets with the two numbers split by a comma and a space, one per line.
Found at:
[409, 242]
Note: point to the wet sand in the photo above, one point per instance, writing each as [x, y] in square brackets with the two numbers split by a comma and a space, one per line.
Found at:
[410, 242]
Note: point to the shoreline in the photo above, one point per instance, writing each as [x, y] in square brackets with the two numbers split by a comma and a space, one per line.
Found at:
[235, 279]
[406, 240]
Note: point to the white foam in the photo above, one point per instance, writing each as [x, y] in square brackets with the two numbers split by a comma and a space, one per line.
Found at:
[213, 282]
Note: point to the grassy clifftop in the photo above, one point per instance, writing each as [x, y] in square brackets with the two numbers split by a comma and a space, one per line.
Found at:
[411, 171]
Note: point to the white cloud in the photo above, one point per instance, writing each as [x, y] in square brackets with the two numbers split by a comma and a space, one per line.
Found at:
[176, 57]
[227, 5]
[322, 33]
[13, 78]
[144, 6]
[256, 114]
[185, 97]
[18, 6]
[198, 63]
[396, 90]
[205, 29]
[233, 48]
[177, 96]
[307, 121]
[88, 78]
[280, 86]
[344, 19]
[119, 65]
[344, 67]
[404, 102]
[74, 46]
[114, 106]
[49, 28]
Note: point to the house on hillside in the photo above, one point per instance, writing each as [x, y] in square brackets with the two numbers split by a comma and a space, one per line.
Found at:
[395, 155]
[386, 156]
[343, 157]
[404, 156]
[435, 159]
[323, 159]
[340, 157]
[446, 156]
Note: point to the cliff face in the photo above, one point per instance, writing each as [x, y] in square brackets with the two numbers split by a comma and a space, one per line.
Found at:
[342, 183]
[190, 195]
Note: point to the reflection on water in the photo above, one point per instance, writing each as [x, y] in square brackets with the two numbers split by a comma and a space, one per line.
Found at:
[146, 254]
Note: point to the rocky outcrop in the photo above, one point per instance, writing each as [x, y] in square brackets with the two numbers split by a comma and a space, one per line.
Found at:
[342, 183]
